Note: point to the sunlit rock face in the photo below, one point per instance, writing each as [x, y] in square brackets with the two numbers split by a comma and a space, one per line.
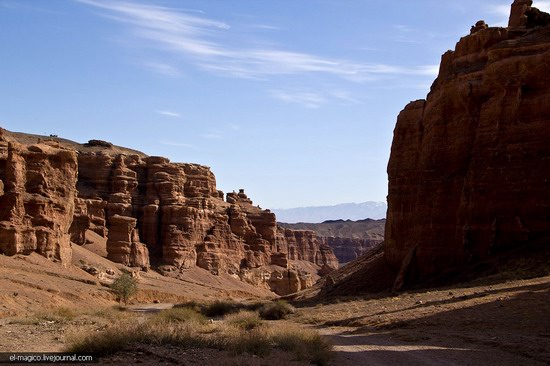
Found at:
[469, 172]
[149, 210]
[182, 218]
[37, 200]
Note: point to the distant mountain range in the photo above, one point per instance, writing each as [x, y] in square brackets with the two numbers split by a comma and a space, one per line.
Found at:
[343, 211]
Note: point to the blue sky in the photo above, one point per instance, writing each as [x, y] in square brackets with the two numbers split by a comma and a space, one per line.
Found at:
[293, 100]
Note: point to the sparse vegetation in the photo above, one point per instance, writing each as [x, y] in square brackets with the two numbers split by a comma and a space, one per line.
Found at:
[238, 333]
[220, 308]
[246, 320]
[276, 310]
[63, 313]
[113, 314]
[124, 287]
[56, 315]
[254, 342]
[189, 305]
[179, 314]
[306, 344]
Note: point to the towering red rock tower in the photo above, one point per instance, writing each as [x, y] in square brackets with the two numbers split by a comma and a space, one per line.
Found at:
[469, 172]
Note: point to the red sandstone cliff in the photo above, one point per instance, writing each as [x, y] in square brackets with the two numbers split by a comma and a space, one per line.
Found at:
[148, 209]
[348, 239]
[37, 199]
[469, 172]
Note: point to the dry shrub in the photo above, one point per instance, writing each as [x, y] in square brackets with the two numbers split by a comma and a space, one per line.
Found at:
[220, 308]
[276, 310]
[244, 319]
[240, 333]
[114, 314]
[306, 344]
[55, 315]
[189, 305]
[179, 314]
[254, 342]
[121, 336]
[106, 342]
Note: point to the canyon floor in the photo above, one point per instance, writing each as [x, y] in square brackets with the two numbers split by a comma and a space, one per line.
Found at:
[484, 322]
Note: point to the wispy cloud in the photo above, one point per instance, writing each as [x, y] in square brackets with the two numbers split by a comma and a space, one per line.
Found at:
[203, 41]
[169, 114]
[163, 69]
[234, 126]
[402, 28]
[213, 136]
[178, 144]
[264, 26]
[429, 70]
[344, 97]
[314, 99]
[307, 99]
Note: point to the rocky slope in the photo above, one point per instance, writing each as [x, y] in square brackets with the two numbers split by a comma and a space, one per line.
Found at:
[348, 239]
[148, 209]
[469, 172]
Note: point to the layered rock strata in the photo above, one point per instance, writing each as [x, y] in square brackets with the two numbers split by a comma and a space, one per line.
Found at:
[469, 172]
[349, 249]
[176, 210]
[348, 239]
[37, 202]
[307, 246]
[148, 209]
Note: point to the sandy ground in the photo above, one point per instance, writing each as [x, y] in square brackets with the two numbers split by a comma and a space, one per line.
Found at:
[491, 324]
[391, 348]
[33, 283]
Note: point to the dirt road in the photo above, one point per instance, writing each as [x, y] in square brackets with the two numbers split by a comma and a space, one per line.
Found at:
[394, 349]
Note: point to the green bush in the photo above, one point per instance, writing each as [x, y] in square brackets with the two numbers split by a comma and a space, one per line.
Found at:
[124, 287]
[276, 310]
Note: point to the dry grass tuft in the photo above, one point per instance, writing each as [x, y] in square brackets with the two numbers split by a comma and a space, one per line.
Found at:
[220, 308]
[113, 314]
[238, 333]
[55, 315]
[176, 315]
[244, 319]
[306, 344]
[276, 310]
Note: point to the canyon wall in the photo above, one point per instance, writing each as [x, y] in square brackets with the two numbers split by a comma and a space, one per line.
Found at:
[348, 239]
[149, 210]
[38, 189]
[349, 249]
[469, 172]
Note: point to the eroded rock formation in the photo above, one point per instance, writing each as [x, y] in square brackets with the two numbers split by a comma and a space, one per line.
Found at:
[348, 239]
[349, 249]
[148, 209]
[469, 170]
[305, 245]
[37, 204]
